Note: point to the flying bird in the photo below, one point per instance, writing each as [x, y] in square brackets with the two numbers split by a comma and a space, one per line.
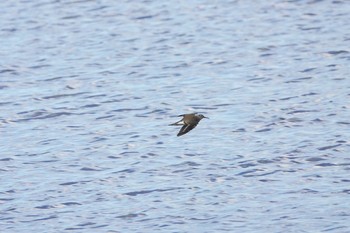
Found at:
[188, 122]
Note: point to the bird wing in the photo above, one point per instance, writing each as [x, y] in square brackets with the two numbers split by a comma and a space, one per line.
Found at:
[186, 128]
[182, 115]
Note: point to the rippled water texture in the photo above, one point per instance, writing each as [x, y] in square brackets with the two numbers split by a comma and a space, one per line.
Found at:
[88, 89]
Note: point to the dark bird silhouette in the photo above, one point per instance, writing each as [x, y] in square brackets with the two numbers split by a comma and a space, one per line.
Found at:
[188, 122]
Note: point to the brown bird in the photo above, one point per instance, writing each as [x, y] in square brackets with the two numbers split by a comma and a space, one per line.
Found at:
[188, 122]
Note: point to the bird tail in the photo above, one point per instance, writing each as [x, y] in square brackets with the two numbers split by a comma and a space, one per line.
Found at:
[178, 123]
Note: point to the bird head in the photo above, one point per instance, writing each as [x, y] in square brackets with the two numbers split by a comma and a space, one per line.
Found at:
[201, 116]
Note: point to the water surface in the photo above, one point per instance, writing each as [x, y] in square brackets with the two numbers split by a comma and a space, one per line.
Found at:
[88, 89]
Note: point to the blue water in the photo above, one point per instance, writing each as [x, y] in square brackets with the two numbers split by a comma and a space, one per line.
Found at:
[88, 89]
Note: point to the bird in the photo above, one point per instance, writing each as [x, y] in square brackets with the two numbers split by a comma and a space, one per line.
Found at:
[188, 122]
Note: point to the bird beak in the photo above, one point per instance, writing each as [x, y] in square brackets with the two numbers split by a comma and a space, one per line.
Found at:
[206, 117]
